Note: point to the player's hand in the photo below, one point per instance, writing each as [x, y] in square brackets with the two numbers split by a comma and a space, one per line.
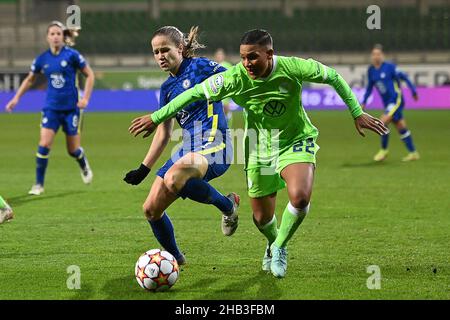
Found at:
[141, 124]
[135, 177]
[11, 105]
[82, 104]
[366, 121]
[415, 97]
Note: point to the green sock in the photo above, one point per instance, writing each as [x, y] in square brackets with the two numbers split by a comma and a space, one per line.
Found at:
[292, 218]
[269, 230]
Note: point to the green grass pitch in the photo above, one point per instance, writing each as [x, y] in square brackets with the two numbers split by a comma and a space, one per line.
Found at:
[393, 215]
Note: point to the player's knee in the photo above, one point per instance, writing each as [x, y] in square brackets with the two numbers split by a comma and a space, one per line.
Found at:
[300, 199]
[45, 144]
[172, 182]
[150, 212]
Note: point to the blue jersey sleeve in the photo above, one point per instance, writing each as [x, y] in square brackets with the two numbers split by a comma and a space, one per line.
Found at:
[78, 60]
[369, 88]
[402, 76]
[210, 67]
[36, 65]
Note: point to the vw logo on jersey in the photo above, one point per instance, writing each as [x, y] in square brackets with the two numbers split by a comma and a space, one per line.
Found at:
[57, 80]
[63, 63]
[186, 83]
[274, 109]
[382, 75]
[212, 63]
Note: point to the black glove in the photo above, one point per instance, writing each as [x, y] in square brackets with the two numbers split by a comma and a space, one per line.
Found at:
[135, 177]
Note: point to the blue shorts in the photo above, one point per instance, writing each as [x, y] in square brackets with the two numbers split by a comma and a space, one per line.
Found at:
[219, 156]
[70, 120]
[395, 110]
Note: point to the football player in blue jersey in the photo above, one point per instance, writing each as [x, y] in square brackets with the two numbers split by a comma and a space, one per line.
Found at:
[206, 152]
[386, 77]
[62, 107]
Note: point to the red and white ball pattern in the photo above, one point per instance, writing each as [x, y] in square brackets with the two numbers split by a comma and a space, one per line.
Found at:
[156, 270]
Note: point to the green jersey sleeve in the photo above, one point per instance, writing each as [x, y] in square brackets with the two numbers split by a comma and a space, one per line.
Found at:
[313, 71]
[215, 88]
[175, 105]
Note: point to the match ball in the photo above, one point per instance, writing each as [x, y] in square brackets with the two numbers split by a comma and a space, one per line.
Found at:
[156, 270]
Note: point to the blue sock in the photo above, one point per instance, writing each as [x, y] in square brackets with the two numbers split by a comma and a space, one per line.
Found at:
[79, 156]
[384, 141]
[201, 191]
[41, 164]
[405, 135]
[163, 231]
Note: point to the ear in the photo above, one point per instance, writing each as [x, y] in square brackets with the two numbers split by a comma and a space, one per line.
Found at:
[269, 53]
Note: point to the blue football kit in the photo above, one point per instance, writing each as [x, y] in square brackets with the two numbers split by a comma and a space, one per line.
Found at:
[387, 80]
[205, 129]
[60, 107]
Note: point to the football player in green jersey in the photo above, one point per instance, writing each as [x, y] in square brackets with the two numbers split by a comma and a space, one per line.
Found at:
[280, 145]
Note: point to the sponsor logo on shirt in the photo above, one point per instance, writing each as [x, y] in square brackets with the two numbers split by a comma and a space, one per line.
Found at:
[182, 116]
[274, 109]
[57, 80]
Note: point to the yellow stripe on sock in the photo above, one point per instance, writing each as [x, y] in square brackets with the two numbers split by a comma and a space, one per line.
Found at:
[41, 156]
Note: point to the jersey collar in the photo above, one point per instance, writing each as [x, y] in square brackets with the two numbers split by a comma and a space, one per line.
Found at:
[275, 58]
[184, 64]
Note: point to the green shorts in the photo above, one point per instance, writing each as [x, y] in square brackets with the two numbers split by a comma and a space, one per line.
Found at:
[265, 180]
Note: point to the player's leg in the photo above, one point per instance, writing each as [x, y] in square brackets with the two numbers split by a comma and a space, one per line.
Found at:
[265, 220]
[383, 152]
[262, 187]
[47, 136]
[186, 178]
[158, 200]
[71, 127]
[406, 137]
[299, 179]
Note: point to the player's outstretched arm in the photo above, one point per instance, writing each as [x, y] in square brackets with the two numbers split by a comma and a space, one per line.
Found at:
[159, 143]
[149, 122]
[25, 85]
[366, 121]
[402, 76]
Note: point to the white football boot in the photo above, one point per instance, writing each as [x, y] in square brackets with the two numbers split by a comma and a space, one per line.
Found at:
[230, 220]
[36, 190]
[87, 174]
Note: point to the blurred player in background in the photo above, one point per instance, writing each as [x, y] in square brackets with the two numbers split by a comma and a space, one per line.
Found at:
[268, 87]
[386, 77]
[206, 152]
[220, 58]
[6, 212]
[63, 107]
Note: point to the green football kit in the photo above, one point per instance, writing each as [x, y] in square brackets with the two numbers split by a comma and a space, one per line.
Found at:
[278, 130]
